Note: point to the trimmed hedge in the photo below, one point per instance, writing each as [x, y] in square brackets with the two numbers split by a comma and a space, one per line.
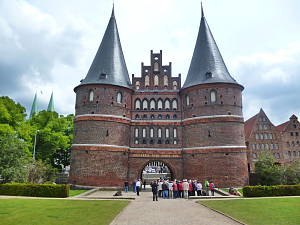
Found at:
[276, 190]
[35, 190]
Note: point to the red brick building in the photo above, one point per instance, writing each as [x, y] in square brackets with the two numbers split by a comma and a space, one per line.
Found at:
[197, 129]
[282, 141]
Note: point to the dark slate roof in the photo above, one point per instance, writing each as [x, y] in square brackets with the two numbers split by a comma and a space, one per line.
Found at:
[207, 65]
[109, 65]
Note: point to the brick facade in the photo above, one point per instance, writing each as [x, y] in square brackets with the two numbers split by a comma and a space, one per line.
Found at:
[283, 141]
[118, 130]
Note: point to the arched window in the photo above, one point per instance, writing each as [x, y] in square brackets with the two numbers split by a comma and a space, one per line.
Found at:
[159, 104]
[151, 132]
[213, 96]
[167, 116]
[137, 104]
[167, 104]
[136, 132]
[166, 81]
[137, 85]
[187, 100]
[159, 132]
[152, 104]
[156, 67]
[175, 133]
[119, 97]
[137, 116]
[144, 132]
[175, 85]
[147, 81]
[174, 104]
[145, 104]
[91, 96]
[266, 146]
[152, 116]
[159, 116]
[167, 133]
[156, 82]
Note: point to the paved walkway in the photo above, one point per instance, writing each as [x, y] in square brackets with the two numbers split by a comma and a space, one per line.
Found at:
[143, 211]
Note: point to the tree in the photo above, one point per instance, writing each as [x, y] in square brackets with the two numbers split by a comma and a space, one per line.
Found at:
[41, 172]
[14, 159]
[292, 173]
[54, 138]
[268, 171]
[10, 112]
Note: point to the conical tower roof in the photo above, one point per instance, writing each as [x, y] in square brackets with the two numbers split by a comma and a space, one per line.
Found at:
[51, 104]
[207, 65]
[34, 109]
[109, 65]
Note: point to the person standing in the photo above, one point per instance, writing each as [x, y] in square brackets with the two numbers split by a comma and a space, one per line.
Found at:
[171, 189]
[175, 190]
[212, 188]
[180, 189]
[185, 189]
[154, 187]
[160, 188]
[165, 189]
[144, 184]
[206, 187]
[126, 185]
[199, 188]
[133, 186]
[138, 186]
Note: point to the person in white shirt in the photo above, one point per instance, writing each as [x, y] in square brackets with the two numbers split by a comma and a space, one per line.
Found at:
[199, 188]
[138, 187]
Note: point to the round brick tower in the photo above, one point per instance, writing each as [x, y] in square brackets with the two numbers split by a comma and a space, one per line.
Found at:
[212, 118]
[99, 154]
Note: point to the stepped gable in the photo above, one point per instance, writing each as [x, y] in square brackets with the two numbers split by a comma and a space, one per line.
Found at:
[109, 65]
[207, 65]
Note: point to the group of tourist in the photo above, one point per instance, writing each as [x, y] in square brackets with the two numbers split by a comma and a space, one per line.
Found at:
[174, 189]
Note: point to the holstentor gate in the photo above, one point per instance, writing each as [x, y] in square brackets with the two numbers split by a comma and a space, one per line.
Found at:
[197, 129]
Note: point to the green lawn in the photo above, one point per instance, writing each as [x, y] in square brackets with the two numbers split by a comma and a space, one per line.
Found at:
[272, 211]
[76, 192]
[62, 212]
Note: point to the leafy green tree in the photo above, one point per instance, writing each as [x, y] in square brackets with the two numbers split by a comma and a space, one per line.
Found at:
[14, 159]
[292, 173]
[54, 138]
[41, 172]
[10, 112]
[268, 171]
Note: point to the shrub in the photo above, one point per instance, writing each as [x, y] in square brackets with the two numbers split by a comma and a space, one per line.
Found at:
[276, 190]
[35, 190]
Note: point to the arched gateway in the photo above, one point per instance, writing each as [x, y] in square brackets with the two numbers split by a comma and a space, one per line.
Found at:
[197, 130]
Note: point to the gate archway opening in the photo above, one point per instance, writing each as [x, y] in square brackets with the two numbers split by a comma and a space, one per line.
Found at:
[155, 170]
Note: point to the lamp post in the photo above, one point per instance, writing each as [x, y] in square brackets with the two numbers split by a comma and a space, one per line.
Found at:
[34, 145]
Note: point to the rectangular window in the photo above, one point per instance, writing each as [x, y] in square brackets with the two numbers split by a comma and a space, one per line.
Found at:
[292, 134]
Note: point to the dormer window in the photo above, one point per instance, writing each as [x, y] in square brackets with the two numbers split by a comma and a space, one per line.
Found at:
[208, 75]
[102, 76]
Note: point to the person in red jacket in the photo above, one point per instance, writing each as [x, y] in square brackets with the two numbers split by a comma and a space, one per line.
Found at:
[190, 188]
[175, 189]
[180, 190]
[212, 188]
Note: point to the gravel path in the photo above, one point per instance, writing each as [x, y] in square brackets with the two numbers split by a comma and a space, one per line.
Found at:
[143, 211]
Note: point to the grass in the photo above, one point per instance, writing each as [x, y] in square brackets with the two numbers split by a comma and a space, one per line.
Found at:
[267, 211]
[76, 192]
[62, 212]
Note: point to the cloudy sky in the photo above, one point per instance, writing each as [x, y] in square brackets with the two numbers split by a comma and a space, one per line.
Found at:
[48, 45]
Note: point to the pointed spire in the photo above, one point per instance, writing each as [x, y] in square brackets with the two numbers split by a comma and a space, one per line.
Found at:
[51, 104]
[34, 109]
[109, 65]
[207, 65]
